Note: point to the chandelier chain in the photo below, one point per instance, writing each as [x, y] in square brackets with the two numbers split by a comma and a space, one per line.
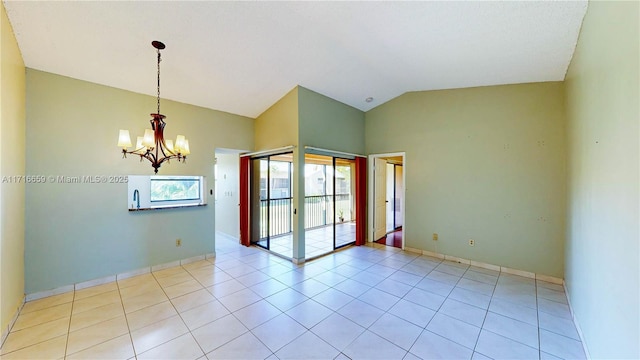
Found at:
[158, 50]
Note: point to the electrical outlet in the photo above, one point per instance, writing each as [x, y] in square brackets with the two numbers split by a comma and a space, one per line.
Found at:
[435, 236]
[178, 242]
[472, 242]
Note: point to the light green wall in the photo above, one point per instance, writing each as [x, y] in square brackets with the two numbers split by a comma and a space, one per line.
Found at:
[12, 163]
[79, 232]
[278, 125]
[602, 249]
[329, 124]
[227, 184]
[482, 163]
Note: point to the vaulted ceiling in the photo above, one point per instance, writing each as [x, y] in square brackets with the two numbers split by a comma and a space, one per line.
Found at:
[241, 57]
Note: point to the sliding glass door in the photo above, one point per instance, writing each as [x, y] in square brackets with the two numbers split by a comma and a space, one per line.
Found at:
[329, 204]
[271, 202]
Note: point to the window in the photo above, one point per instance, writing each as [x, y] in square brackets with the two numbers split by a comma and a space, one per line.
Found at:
[152, 192]
[174, 189]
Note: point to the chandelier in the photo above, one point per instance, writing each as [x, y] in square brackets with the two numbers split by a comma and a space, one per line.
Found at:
[152, 146]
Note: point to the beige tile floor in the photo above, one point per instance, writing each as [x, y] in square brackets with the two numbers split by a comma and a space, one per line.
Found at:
[360, 303]
[318, 241]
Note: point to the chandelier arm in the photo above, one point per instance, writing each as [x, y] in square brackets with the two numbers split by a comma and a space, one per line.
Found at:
[139, 151]
[149, 156]
[163, 160]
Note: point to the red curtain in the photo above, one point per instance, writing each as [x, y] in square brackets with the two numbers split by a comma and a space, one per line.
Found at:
[245, 163]
[361, 200]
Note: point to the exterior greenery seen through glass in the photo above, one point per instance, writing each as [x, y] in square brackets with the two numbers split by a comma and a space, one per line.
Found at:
[175, 189]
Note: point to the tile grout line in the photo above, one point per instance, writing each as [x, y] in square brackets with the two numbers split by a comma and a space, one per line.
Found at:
[445, 299]
[37, 343]
[4, 335]
[436, 311]
[273, 353]
[66, 345]
[486, 314]
[233, 312]
[126, 319]
[265, 299]
[538, 320]
[332, 311]
[181, 318]
[177, 312]
[493, 292]
[414, 287]
[352, 300]
[216, 299]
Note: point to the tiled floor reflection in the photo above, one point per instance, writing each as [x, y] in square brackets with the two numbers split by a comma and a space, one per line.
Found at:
[361, 303]
[318, 241]
[393, 238]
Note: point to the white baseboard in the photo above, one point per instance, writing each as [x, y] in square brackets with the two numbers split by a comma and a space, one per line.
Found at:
[112, 278]
[485, 265]
[433, 254]
[550, 279]
[52, 292]
[493, 267]
[517, 272]
[575, 322]
[133, 273]
[457, 259]
[163, 266]
[193, 259]
[96, 282]
[413, 250]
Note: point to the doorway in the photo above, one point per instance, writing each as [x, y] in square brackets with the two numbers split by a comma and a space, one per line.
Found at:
[227, 192]
[387, 181]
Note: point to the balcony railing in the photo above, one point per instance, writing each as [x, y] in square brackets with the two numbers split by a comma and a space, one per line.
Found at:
[318, 211]
[280, 219]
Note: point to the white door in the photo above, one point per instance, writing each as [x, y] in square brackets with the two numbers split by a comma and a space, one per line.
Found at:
[399, 200]
[390, 200]
[380, 195]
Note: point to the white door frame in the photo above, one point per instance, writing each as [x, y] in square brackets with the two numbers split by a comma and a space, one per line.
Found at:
[371, 198]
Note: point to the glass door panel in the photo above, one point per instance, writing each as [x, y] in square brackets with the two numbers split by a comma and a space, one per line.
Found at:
[329, 204]
[260, 202]
[271, 203]
[318, 205]
[345, 226]
[280, 204]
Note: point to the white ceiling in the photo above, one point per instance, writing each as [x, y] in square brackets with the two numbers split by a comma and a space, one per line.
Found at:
[241, 57]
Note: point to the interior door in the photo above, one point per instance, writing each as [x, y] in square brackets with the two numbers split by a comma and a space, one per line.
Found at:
[380, 195]
[390, 197]
[399, 190]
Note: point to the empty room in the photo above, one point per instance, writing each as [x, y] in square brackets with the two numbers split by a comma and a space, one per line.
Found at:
[320, 180]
